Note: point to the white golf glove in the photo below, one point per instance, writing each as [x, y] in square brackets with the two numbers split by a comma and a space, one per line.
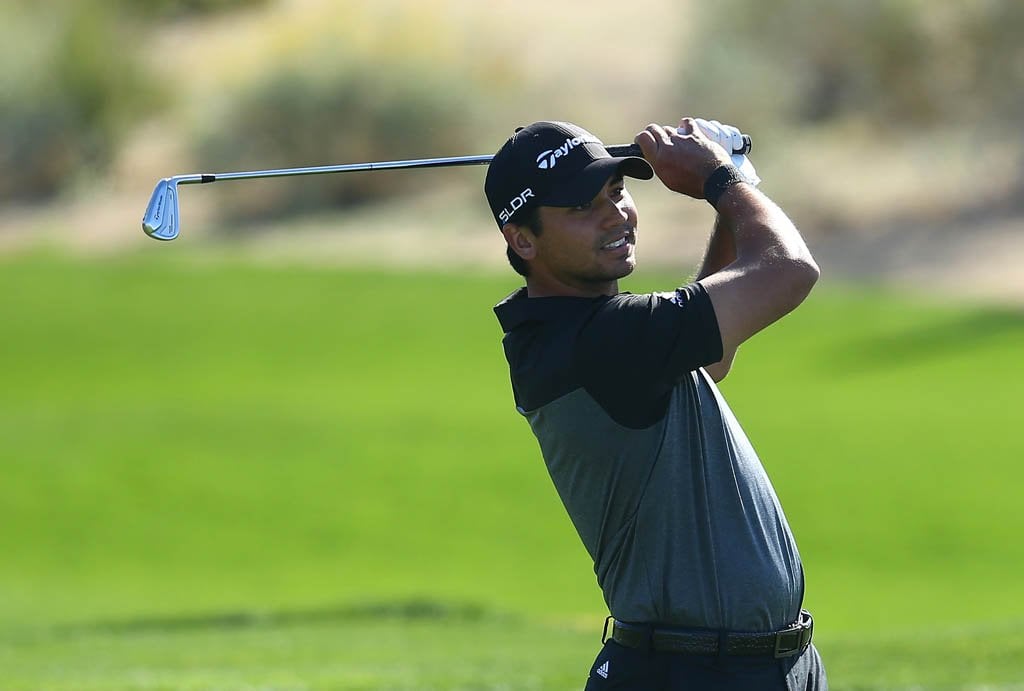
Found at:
[730, 139]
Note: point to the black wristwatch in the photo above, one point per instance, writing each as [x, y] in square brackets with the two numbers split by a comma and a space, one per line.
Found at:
[724, 177]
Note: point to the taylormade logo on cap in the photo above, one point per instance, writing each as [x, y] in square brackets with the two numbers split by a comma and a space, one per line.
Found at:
[549, 158]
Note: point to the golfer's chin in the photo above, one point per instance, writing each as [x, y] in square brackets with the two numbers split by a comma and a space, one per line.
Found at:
[625, 266]
[608, 272]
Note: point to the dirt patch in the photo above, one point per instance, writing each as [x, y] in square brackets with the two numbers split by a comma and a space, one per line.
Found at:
[974, 258]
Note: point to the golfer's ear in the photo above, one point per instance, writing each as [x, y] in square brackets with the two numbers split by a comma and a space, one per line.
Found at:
[520, 239]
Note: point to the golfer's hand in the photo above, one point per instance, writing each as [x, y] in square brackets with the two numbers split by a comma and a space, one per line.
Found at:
[682, 159]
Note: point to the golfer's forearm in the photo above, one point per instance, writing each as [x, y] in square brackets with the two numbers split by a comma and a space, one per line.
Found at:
[721, 249]
[764, 237]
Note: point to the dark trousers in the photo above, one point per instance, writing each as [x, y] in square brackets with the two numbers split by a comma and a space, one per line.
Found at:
[630, 669]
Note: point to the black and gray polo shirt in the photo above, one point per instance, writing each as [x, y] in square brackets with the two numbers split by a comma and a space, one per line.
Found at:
[658, 477]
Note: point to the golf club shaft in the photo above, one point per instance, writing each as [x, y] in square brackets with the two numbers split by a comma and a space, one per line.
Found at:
[342, 168]
[201, 178]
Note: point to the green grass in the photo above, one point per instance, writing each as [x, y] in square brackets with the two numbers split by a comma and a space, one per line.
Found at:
[225, 476]
[353, 650]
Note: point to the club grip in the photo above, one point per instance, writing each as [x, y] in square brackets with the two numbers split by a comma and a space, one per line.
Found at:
[634, 150]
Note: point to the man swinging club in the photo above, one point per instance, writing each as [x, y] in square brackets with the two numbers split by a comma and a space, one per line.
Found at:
[692, 551]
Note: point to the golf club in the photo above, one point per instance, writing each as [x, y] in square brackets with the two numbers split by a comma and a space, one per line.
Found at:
[161, 220]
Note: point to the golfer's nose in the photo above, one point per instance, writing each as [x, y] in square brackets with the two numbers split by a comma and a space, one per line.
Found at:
[616, 211]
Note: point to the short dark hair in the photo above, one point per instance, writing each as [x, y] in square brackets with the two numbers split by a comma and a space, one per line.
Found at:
[530, 219]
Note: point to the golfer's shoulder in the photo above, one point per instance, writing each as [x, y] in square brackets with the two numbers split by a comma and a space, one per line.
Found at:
[677, 327]
[624, 305]
[670, 307]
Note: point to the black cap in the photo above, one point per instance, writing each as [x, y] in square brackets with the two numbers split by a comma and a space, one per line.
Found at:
[552, 164]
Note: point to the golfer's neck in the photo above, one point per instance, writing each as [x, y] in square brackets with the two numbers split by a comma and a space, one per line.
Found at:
[546, 287]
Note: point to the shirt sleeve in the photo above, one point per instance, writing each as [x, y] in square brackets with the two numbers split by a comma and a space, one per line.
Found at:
[634, 348]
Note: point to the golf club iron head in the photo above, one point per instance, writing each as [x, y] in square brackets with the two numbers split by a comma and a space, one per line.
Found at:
[161, 218]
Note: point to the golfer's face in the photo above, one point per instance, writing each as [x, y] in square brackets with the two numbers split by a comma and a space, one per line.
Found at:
[590, 246]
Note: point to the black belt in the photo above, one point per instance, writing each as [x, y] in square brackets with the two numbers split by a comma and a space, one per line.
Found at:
[790, 641]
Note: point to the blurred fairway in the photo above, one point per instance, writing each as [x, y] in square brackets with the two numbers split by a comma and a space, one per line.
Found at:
[226, 476]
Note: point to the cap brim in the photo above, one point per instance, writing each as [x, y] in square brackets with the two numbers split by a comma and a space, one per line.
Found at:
[585, 185]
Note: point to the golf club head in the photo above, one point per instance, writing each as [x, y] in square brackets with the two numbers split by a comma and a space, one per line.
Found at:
[161, 218]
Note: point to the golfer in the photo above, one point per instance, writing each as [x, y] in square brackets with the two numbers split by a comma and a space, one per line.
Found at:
[692, 552]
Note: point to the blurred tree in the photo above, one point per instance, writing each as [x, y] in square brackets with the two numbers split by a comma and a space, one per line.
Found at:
[76, 85]
[78, 88]
[902, 63]
[182, 8]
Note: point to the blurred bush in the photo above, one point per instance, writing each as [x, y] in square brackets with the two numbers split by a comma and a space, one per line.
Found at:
[901, 63]
[75, 88]
[332, 108]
